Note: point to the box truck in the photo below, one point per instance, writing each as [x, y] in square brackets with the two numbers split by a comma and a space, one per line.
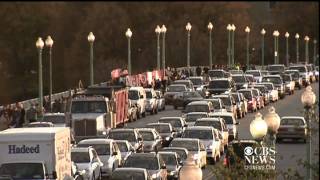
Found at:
[36, 153]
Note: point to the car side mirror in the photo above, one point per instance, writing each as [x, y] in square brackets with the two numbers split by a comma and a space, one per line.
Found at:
[163, 166]
[115, 153]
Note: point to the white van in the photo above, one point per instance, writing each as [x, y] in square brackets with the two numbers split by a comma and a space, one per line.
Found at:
[137, 95]
[36, 153]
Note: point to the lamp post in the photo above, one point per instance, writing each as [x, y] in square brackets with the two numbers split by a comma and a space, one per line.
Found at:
[287, 48]
[39, 45]
[49, 43]
[158, 31]
[308, 99]
[247, 30]
[306, 38]
[229, 45]
[276, 53]
[314, 51]
[263, 32]
[210, 26]
[129, 34]
[273, 121]
[233, 28]
[91, 40]
[297, 48]
[188, 28]
[163, 30]
[258, 128]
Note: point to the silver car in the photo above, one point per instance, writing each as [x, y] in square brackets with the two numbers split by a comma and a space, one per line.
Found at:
[193, 116]
[178, 123]
[161, 101]
[151, 139]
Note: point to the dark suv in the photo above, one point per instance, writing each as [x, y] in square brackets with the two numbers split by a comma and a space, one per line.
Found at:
[219, 86]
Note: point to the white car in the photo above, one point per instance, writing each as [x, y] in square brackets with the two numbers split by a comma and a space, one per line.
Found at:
[88, 160]
[273, 93]
[193, 116]
[137, 96]
[161, 101]
[198, 82]
[108, 153]
[256, 75]
[152, 101]
[303, 72]
[230, 122]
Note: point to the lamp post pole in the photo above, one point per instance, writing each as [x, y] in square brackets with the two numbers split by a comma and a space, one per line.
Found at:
[49, 43]
[188, 28]
[158, 31]
[297, 46]
[129, 34]
[91, 40]
[247, 30]
[229, 45]
[307, 48]
[210, 26]
[232, 37]
[263, 32]
[287, 48]
[314, 51]
[39, 45]
[276, 53]
[164, 30]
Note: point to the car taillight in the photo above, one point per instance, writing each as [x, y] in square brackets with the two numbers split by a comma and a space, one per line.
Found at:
[225, 161]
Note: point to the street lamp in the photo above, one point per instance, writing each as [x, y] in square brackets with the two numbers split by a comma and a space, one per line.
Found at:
[287, 48]
[229, 27]
[233, 28]
[263, 32]
[39, 45]
[314, 51]
[297, 42]
[158, 31]
[308, 99]
[129, 34]
[163, 30]
[210, 27]
[273, 121]
[91, 40]
[188, 28]
[49, 43]
[306, 38]
[247, 30]
[258, 128]
[276, 53]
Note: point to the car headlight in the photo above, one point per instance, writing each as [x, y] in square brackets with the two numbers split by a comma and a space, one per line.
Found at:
[172, 173]
[207, 93]
[226, 92]
[167, 138]
[154, 176]
[198, 88]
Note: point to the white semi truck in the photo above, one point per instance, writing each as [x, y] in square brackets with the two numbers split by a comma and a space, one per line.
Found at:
[36, 153]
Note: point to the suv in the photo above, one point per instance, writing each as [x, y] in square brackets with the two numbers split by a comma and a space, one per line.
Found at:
[178, 123]
[241, 81]
[252, 101]
[260, 98]
[256, 74]
[228, 102]
[199, 106]
[137, 96]
[131, 135]
[289, 83]
[295, 76]
[240, 104]
[304, 74]
[216, 74]
[152, 101]
[152, 140]
[230, 122]
[277, 82]
[219, 86]
[276, 69]
[172, 90]
[198, 83]
[188, 84]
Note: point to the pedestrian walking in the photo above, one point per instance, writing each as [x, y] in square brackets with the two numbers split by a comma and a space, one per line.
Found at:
[190, 171]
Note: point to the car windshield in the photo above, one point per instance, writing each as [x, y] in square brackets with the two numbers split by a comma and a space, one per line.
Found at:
[286, 78]
[182, 153]
[215, 124]
[239, 79]
[216, 104]
[301, 69]
[173, 122]
[295, 75]
[147, 135]
[54, 119]
[268, 86]
[122, 135]
[169, 159]
[101, 149]
[254, 73]
[122, 146]
[293, 122]
[196, 81]
[187, 83]
[216, 74]
[194, 117]
[133, 95]
[22, 170]
[246, 94]
[226, 101]
[89, 107]
[121, 175]
[274, 80]
[189, 145]
[199, 134]
[261, 88]
[176, 88]
[249, 78]
[160, 128]
[219, 85]
[197, 108]
[227, 119]
[276, 68]
[191, 95]
[149, 94]
[236, 97]
[80, 157]
[146, 162]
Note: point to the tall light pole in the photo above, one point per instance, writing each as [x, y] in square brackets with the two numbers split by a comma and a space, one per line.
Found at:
[306, 38]
[276, 53]
[188, 28]
[49, 43]
[247, 30]
[263, 32]
[233, 28]
[229, 45]
[39, 45]
[297, 48]
[210, 26]
[91, 40]
[314, 51]
[308, 99]
[164, 30]
[129, 34]
[158, 31]
[287, 48]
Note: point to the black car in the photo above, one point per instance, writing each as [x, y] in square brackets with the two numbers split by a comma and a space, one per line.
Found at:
[220, 86]
[240, 80]
[184, 98]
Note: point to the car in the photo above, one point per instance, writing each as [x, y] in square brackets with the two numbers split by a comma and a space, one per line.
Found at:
[178, 123]
[40, 124]
[312, 75]
[295, 76]
[230, 122]
[199, 106]
[130, 173]
[252, 101]
[183, 98]
[292, 127]
[57, 119]
[137, 96]
[259, 97]
[303, 72]
[219, 86]
[316, 72]
[257, 75]
[240, 104]
[186, 82]
[232, 72]
[129, 134]
[132, 112]
[289, 83]
[216, 74]
[273, 93]
[264, 72]
[277, 83]
[182, 152]
[275, 69]
[191, 117]
[217, 123]
[235, 152]
[151, 139]
[87, 159]
[152, 162]
[165, 130]
[152, 101]
[195, 147]
[250, 79]
[241, 81]
[217, 103]
[198, 83]
[125, 149]
[173, 163]
[229, 103]
[108, 152]
[172, 90]
[263, 92]
[161, 101]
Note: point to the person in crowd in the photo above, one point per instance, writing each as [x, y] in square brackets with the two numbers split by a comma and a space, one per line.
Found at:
[198, 71]
[15, 116]
[22, 115]
[5, 120]
[31, 114]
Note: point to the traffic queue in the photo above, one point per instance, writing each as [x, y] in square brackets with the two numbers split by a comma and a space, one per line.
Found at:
[91, 141]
